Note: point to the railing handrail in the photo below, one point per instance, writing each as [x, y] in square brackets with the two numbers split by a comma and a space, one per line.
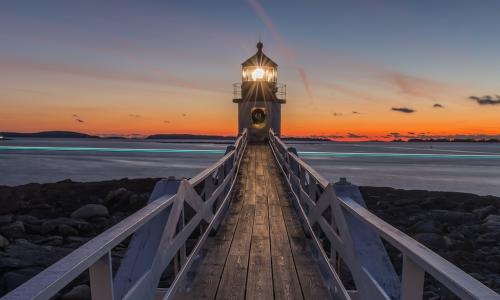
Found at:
[458, 281]
[48, 282]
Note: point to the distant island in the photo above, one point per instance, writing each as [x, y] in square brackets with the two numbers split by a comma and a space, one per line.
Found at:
[440, 140]
[48, 134]
[181, 136]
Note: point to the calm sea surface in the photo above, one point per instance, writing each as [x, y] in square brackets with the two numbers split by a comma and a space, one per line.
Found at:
[463, 167]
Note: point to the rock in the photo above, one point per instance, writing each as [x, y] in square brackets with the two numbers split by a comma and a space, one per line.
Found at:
[492, 222]
[489, 239]
[425, 226]
[453, 217]
[90, 211]
[30, 254]
[13, 230]
[15, 278]
[52, 226]
[431, 240]
[3, 242]
[79, 292]
[66, 230]
[6, 219]
[54, 240]
[118, 195]
[404, 202]
[483, 212]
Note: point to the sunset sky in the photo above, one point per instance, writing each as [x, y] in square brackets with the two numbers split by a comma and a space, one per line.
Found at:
[354, 69]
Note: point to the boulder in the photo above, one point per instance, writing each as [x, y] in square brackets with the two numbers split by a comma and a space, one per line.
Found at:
[432, 240]
[66, 230]
[3, 242]
[6, 219]
[425, 226]
[90, 211]
[483, 212]
[492, 222]
[79, 292]
[120, 195]
[15, 278]
[13, 230]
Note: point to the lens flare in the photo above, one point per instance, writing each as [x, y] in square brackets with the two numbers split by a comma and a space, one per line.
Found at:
[258, 74]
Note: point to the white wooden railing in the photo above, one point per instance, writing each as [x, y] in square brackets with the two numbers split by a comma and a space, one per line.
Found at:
[160, 233]
[336, 218]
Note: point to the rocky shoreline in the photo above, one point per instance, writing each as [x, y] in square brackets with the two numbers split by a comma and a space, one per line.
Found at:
[41, 223]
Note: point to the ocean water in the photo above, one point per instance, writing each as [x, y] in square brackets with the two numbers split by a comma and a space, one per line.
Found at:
[463, 167]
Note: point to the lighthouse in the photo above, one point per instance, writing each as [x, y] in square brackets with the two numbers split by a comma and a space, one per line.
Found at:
[259, 97]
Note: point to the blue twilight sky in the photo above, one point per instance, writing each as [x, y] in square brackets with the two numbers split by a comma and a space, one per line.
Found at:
[138, 66]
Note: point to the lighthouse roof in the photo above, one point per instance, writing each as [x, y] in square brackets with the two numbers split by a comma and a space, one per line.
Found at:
[259, 59]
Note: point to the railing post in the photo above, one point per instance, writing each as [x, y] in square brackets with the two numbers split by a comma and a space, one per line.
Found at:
[101, 278]
[412, 286]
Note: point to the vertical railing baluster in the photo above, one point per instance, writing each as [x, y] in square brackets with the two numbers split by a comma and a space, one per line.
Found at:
[412, 286]
[101, 278]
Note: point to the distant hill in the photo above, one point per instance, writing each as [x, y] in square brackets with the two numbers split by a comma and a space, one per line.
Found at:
[180, 136]
[48, 134]
[454, 140]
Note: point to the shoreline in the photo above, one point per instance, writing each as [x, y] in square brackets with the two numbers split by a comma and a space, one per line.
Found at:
[55, 218]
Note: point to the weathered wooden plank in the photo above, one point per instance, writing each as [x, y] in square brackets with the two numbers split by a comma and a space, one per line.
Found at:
[260, 276]
[233, 281]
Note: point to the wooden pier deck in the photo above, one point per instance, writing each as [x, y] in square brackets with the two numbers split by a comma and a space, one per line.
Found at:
[260, 251]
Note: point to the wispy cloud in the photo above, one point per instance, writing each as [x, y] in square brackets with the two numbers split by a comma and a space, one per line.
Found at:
[414, 86]
[102, 73]
[336, 114]
[486, 100]
[356, 112]
[405, 110]
[437, 105]
[264, 16]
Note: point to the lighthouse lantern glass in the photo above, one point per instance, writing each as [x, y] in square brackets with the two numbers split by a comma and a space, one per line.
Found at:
[259, 73]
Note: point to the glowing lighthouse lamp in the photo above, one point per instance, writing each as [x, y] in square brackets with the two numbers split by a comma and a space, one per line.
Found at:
[259, 97]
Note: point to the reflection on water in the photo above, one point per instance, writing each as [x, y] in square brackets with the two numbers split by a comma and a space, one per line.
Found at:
[448, 169]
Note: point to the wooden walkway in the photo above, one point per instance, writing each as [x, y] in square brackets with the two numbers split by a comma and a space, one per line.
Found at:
[260, 251]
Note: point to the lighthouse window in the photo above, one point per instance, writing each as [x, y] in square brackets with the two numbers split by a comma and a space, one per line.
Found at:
[259, 73]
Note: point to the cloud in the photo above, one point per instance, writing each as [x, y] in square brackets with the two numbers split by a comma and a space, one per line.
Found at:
[412, 133]
[75, 116]
[166, 122]
[336, 114]
[405, 110]
[356, 113]
[355, 136]
[395, 134]
[136, 116]
[333, 136]
[80, 120]
[414, 86]
[266, 19]
[486, 100]
[437, 105]
[184, 115]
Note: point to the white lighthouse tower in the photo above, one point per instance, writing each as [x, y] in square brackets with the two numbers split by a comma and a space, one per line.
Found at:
[259, 97]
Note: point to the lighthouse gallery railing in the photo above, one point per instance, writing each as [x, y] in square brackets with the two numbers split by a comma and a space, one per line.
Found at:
[341, 227]
[161, 231]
